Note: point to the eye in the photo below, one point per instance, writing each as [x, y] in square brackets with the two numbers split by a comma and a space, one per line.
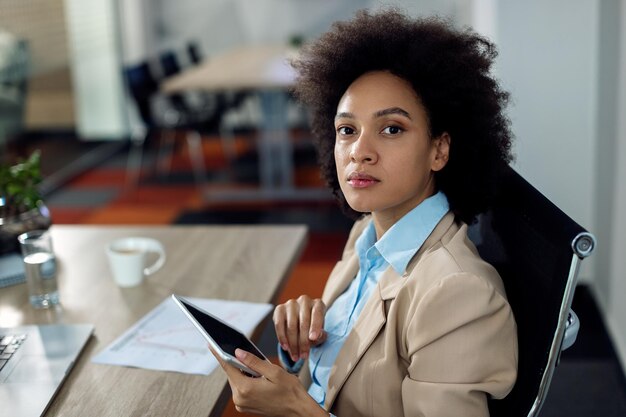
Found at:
[345, 130]
[392, 130]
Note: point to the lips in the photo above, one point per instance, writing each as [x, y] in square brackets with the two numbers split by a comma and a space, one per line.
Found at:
[361, 180]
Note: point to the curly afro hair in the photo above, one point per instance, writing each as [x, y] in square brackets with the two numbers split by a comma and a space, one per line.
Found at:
[450, 72]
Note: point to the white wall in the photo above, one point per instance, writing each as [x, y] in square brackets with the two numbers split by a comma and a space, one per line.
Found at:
[135, 29]
[606, 141]
[564, 62]
[220, 24]
[548, 61]
[610, 285]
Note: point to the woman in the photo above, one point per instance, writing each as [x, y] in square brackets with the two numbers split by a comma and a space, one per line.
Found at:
[411, 134]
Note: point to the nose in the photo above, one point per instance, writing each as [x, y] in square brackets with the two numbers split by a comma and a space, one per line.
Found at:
[363, 150]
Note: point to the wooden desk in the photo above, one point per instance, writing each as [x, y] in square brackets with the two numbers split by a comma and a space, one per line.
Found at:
[247, 263]
[264, 70]
[246, 67]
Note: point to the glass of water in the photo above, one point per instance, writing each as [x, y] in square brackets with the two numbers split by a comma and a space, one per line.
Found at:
[41, 268]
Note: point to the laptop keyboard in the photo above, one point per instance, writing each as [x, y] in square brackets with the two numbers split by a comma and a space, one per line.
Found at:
[9, 344]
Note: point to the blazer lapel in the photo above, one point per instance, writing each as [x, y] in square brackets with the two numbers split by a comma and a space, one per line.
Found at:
[373, 317]
[370, 322]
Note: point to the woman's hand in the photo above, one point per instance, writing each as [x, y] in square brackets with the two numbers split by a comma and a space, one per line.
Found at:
[275, 393]
[299, 325]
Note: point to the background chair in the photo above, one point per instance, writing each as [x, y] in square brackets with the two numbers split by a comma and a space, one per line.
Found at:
[162, 116]
[169, 63]
[170, 66]
[537, 249]
[226, 101]
[204, 110]
[193, 51]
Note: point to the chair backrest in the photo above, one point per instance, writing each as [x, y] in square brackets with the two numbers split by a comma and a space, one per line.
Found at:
[537, 250]
[193, 51]
[169, 64]
[142, 85]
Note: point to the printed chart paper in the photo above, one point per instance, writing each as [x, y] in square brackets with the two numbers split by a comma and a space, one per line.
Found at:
[165, 339]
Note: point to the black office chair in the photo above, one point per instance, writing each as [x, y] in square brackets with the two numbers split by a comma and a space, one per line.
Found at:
[193, 51]
[537, 249]
[205, 109]
[223, 101]
[169, 66]
[142, 86]
[169, 63]
[162, 116]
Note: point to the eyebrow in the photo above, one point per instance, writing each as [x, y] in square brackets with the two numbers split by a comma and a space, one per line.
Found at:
[393, 110]
[344, 115]
[379, 113]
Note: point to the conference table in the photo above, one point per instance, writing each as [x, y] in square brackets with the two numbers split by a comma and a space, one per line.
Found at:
[247, 263]
[265, 71]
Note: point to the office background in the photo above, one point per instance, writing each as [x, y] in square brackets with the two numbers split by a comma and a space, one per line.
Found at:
[564, 62]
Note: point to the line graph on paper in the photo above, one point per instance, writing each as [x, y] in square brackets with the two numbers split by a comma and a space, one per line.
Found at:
[172, 341]
[165, 340]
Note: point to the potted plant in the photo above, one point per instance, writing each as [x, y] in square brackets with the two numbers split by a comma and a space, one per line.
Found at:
[21, 206]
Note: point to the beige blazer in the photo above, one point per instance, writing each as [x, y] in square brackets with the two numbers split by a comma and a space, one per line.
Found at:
[434, 342]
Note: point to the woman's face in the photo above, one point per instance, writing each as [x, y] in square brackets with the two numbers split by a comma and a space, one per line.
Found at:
[385, 157]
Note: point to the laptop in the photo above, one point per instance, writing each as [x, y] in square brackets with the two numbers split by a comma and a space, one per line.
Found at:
[34, 361]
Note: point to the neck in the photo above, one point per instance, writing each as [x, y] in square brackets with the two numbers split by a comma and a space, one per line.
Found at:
[384, 219]
[382, 223]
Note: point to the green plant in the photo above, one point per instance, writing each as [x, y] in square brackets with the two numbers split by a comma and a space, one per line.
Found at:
[18, 186]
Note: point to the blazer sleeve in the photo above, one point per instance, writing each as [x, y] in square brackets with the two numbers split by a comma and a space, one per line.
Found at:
[461, 343]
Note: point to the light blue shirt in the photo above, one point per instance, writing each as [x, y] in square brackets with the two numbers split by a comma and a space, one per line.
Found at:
[395, 248]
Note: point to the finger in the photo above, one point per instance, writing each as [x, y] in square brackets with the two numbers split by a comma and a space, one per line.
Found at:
[217, 357]
[261, 366]
[316, 333]
[292, 328]
[280, 323]
[226, 366]
[232, 373]
[304, 327]
[321, 338]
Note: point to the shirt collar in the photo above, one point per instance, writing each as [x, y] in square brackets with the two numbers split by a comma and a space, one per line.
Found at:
[400, 243]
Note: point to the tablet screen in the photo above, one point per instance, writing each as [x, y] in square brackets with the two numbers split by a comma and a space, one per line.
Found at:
[225, 336]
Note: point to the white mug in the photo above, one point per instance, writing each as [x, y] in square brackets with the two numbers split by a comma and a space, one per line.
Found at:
[127, 259]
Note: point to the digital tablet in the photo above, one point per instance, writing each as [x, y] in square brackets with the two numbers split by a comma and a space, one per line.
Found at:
[223, 338]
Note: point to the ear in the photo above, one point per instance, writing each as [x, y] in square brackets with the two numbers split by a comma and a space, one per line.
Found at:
[441, 151]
